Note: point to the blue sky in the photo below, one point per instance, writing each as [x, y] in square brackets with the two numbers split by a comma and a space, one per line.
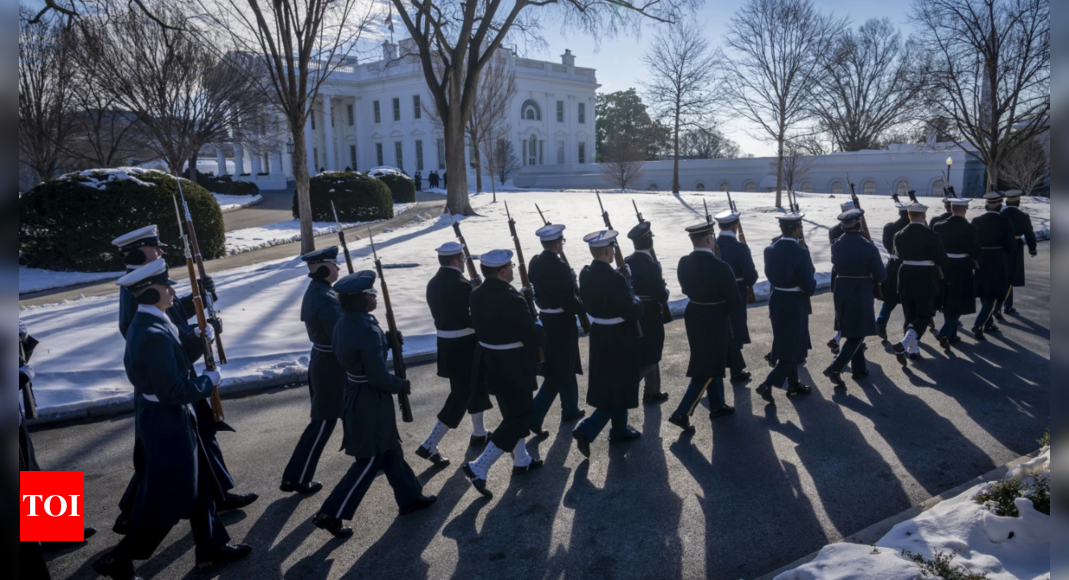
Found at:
[619, 61]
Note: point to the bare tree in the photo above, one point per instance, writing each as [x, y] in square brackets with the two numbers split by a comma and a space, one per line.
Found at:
[990, 63]
[489, 111]
[183, 94]
[777, 66]
[623, 163]
[44, 94]
[796, 165]
[707, 142]
[501, 156]
[1026, 167]
[873, 84]
[299, 44]
[681, 89]
[456, 40]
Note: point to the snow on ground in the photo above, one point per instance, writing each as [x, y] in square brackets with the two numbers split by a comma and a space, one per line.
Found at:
[276, 234]
[232, 202]
[79, 362]
[1004, 548]
[116, 174]
[37, 280]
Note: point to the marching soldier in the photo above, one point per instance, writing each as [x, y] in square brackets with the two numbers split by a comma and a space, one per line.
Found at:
[948, 209]
[789, 269]
[507, 359]
[558, 302]
[890, 286]
[713, 291]
[1022, 230]
[962, 243]
[737, 255]
[449, 298]
[172, 476]
[320, 311]
[369, 416]
[858, 266]
[834, 234]
[614, 345]
[648, 283]
[837, 231]
[992, 276]
[141, 247]
[922, 255]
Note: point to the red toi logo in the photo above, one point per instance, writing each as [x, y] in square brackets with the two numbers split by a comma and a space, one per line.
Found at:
[52, 506]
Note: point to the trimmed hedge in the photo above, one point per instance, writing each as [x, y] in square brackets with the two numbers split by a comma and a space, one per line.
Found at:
[401, 186]
[68, 223]
[226, 185]
[359, 198]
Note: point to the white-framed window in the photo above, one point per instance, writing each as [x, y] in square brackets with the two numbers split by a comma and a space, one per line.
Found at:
[652, 187]
[315, 157]
[869, 187]
[399, 154]
[724, 186]
[352, 114]
[699, 186]
[352, 157]
[532, 151]
[582, 113]
[530, 111]
[937, 189]
[441, 154]
[312, 118]
[417, 108]
[560, 111]
[807, 187]
[582, 152]
[397, 110]
[751, 187]
[419, 155]
[378, 155]
[377, 108]
[836, 187]
[560, 152]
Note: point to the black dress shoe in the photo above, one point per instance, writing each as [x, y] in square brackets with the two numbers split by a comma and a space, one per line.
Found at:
[309, 488]
[419, 505]
[234, 501]
[223, 555]
[481, 439]
[122, 525]
[900, 353]
[771, 361]
[765, 390]
[655, 398]
[991, 328]
[835, 378]
[683, 422]
[798, 390]
[944, 342]
[477, 482]
[435, 458]
[535, 464]
[998, 316]
[741, 377]
[914, 356]
[581, 443]
[954, 340]
[111, 568]
[575, 417]
[538, 432]
[723, 411]
[334, 526]
[834, 346]
[978, 333]
[860, 375]
[881, 331]
[627, 435]
[1010, 311]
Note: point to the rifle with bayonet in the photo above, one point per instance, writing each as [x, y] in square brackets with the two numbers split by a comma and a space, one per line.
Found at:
[525, 281]
[341, 238]
[938, 269]
[666, 311]
[399, 368]
[29, 402]
[622, 266]
[877, 290]
[801, 241]
[709, 220]
[584, 320]
[476, 279]
[209, 298]
[751, 298]
[199, 297]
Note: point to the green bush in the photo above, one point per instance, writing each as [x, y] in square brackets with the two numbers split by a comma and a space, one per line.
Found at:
[401, 186]
[940, 566]
[1045, 440]
[68, 223]
[1000, 496]
[359, 198]
[226, 185]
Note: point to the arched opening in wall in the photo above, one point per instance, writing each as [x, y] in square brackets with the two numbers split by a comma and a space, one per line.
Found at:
[530, 111]
[807, 186]
[902, 187]
[751, 187]
[937, 188]
[868, 187]
[724, 186]
[836, 187]
[652, 186]
[699, 186]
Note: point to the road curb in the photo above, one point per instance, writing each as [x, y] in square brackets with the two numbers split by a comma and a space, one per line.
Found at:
[873, 533]
[245, 205]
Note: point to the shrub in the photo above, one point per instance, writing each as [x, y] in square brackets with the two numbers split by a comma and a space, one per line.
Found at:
[940, 566]
[1000, 496]
[68, 223]
[359, 198]
[1045, 440]
[401, 186]
[226, 185]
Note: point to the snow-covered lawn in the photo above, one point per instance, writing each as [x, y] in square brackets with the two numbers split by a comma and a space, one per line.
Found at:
[249, 239]
[233, 202]
[80, 361]
[36, 280]
[1004, 548]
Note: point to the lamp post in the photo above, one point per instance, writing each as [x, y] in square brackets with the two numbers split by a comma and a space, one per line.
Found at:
[950, 163]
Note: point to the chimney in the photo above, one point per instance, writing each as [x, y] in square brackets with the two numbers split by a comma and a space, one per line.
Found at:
[389, 51]
[567, 59]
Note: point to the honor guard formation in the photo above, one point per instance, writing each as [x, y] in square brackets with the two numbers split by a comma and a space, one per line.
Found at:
[495, 343]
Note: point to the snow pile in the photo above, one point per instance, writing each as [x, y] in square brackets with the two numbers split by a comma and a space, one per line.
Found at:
[276, 234]
[233, 202]
[1004, 548]
[37, 280]
[386, 170]
[90, 177]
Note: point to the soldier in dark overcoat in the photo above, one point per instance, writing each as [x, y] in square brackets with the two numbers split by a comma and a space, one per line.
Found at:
[997, 243]
[507, 358]
[557, 297]
[615, 351]
[736, 254]
[922, 255]
[647, 280]
[172, 480]
[713, 292]
[948, 203]
[369, 416]
[320, 311]
[789, 269]
[834, 234]
[1026, 236]
[859, 267]
[449, 299]
[961, 240]
[890, 286]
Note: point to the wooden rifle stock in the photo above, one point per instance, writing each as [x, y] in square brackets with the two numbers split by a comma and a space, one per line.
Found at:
[751, 298]
[525, 281]
[396, 349]
[341, 238]
[208, 299]
[584, 320]
[476, 279]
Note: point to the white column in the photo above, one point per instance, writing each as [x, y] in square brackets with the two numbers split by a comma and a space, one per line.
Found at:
[256, 166]
[239, 159]
[309, 143]
[330, 160]
[220, 159]
[277, 163]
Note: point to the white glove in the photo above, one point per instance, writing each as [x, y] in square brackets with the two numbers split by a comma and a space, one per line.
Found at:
[28, 371]
[23, 331]
[215, 377]
[211, 333]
